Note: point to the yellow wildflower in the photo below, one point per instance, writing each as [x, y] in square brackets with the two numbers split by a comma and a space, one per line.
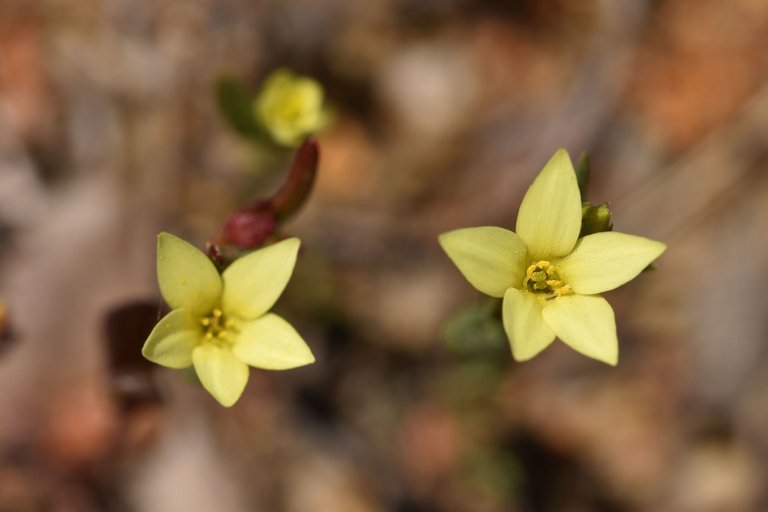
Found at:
[549, 278]
[290, 107]
[220, 322]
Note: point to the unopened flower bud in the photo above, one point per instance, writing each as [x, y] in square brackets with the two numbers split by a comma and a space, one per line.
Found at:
[595, 218]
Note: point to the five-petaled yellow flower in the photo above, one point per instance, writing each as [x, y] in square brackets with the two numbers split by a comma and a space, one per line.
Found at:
[290, 107]
[220, 322]
[549, 278]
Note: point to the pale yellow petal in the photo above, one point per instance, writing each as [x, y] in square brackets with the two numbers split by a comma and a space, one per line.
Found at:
[492, 259]
[290, 106]
[549, 219]
[586, 323]
[605, 261]
[523, 321]
[271, 343]
[186, 276]
[222, 374]
[254, 282]
[173, 339]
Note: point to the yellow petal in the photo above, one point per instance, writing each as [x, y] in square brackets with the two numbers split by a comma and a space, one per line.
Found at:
[186, 276]
[523, 321]
[222, 374]
[172, 340]
[271, 343]
[254, 282]
[605, 261]
[585, 323]
[549, 219]
[492, 259]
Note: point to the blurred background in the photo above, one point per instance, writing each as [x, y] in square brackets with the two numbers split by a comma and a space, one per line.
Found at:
[444, 111]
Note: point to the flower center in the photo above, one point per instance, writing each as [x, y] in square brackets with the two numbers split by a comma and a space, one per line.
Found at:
[218, 328]
[541, 277]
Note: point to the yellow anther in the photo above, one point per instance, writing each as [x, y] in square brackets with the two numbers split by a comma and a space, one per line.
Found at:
[217, 327]
[541, 277]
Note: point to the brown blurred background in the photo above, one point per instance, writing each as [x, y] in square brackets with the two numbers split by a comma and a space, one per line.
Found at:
[445, 111]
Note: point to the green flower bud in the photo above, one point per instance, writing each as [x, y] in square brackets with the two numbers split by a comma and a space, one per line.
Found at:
[595, 218]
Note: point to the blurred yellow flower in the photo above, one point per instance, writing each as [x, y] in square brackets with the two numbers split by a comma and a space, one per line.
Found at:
[290, 107]
[548, 277]
[220, 322]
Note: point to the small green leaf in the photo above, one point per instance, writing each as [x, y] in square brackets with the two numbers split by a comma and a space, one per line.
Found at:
[583, 167]
[236, 106]
[495, 472]
[476, 329]
[471, 382]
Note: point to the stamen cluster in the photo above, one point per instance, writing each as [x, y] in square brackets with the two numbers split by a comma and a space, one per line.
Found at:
[541, 277]
[217, 327]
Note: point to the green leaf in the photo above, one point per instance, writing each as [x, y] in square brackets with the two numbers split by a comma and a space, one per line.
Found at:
[236, 106]
[475, 329]
[582, 169]
[494, 472]
[472, 382]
